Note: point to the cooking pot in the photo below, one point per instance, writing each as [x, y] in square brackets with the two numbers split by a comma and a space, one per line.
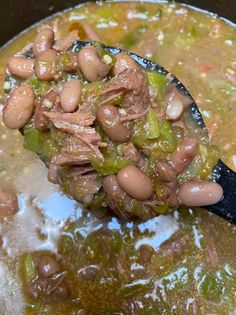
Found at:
[15, 16]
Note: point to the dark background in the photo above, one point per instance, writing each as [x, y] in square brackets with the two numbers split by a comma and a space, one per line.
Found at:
[16, 15]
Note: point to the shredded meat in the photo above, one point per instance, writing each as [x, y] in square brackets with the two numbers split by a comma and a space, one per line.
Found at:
[77, 118]
[46, 104]
[134, 86]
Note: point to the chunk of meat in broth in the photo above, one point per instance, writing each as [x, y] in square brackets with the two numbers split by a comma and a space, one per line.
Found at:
[8, 203]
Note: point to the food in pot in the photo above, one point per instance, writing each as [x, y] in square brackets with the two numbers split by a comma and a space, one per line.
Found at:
[119, 135]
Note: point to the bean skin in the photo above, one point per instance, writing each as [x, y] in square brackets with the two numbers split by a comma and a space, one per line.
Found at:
[184, 155]
[19, 107]
[135, 183]
[48, 266]
[92, 67]
[70, 96]
[174, 110]
[166, 171]
[66, 42]
[199, 193]
[45, 65]
[21, 67]
[109, 121]
[43, 40]
[8, 203]
[124, 61]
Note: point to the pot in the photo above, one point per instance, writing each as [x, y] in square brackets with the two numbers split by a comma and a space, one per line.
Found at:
[15, 18]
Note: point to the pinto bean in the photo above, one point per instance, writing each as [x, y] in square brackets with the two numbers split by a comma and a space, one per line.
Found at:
[70, 95]
[174, 110]
[184, 155]
[45, 104]
[53, 173]
[45, 64]
[8, 203]
[109, 120]
[166, 171]
[175, 96]
[135, 183]
[124, 61]
[63, 290]
[21, 67]
[65, 43]
[92, 67]
[43, 40]
[19, 107]
[48, 265]
[199, 193]
[71, 64]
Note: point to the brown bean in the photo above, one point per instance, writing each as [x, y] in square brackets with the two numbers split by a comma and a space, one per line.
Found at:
[8, 203]
[174, 95]
[199, 193]
[184, 155]
[65, 43]
[174, 110]
[135, 183]
[46, 103]
[63, 290]
[19, 107]
[71, 64]
[70, 96]
[166, 171]
[124, 61]
[45, 65]
[48, 265]
[109, 121]
[43, 40]
[21, 67]
[53, 173]
[92, 67]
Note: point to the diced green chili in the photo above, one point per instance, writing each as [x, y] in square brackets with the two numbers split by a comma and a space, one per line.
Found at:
[132, 38]
[161, 209]
[159, 82]
[29, 269]
[112, 163]
[40, 87]
[98, 200]
[168, 141]
[153, 131]
[211, 288]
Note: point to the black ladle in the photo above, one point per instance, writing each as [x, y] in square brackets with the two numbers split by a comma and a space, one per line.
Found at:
[221, 174]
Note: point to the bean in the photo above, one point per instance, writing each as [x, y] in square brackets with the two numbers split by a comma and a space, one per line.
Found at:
[199, 193]
[45, 64]
[43, 40]
[65, 43]
[109, 121]
[21, 67]
[46, 103]
[48, 266]
[70, 95]
[135, 183]
[166, 171]
[89, 272]
[146, 253]
[124, 61]
[63, 290]
[19, 107]
[92, 67]
[174, 110]
[174, 95]
[184, 155]
[8, 203]
[53, 173]
[71, 64]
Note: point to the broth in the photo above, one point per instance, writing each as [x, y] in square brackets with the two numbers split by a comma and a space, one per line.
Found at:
[176, 264]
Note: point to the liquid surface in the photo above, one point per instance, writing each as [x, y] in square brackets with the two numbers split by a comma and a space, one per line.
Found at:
[179, 264]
